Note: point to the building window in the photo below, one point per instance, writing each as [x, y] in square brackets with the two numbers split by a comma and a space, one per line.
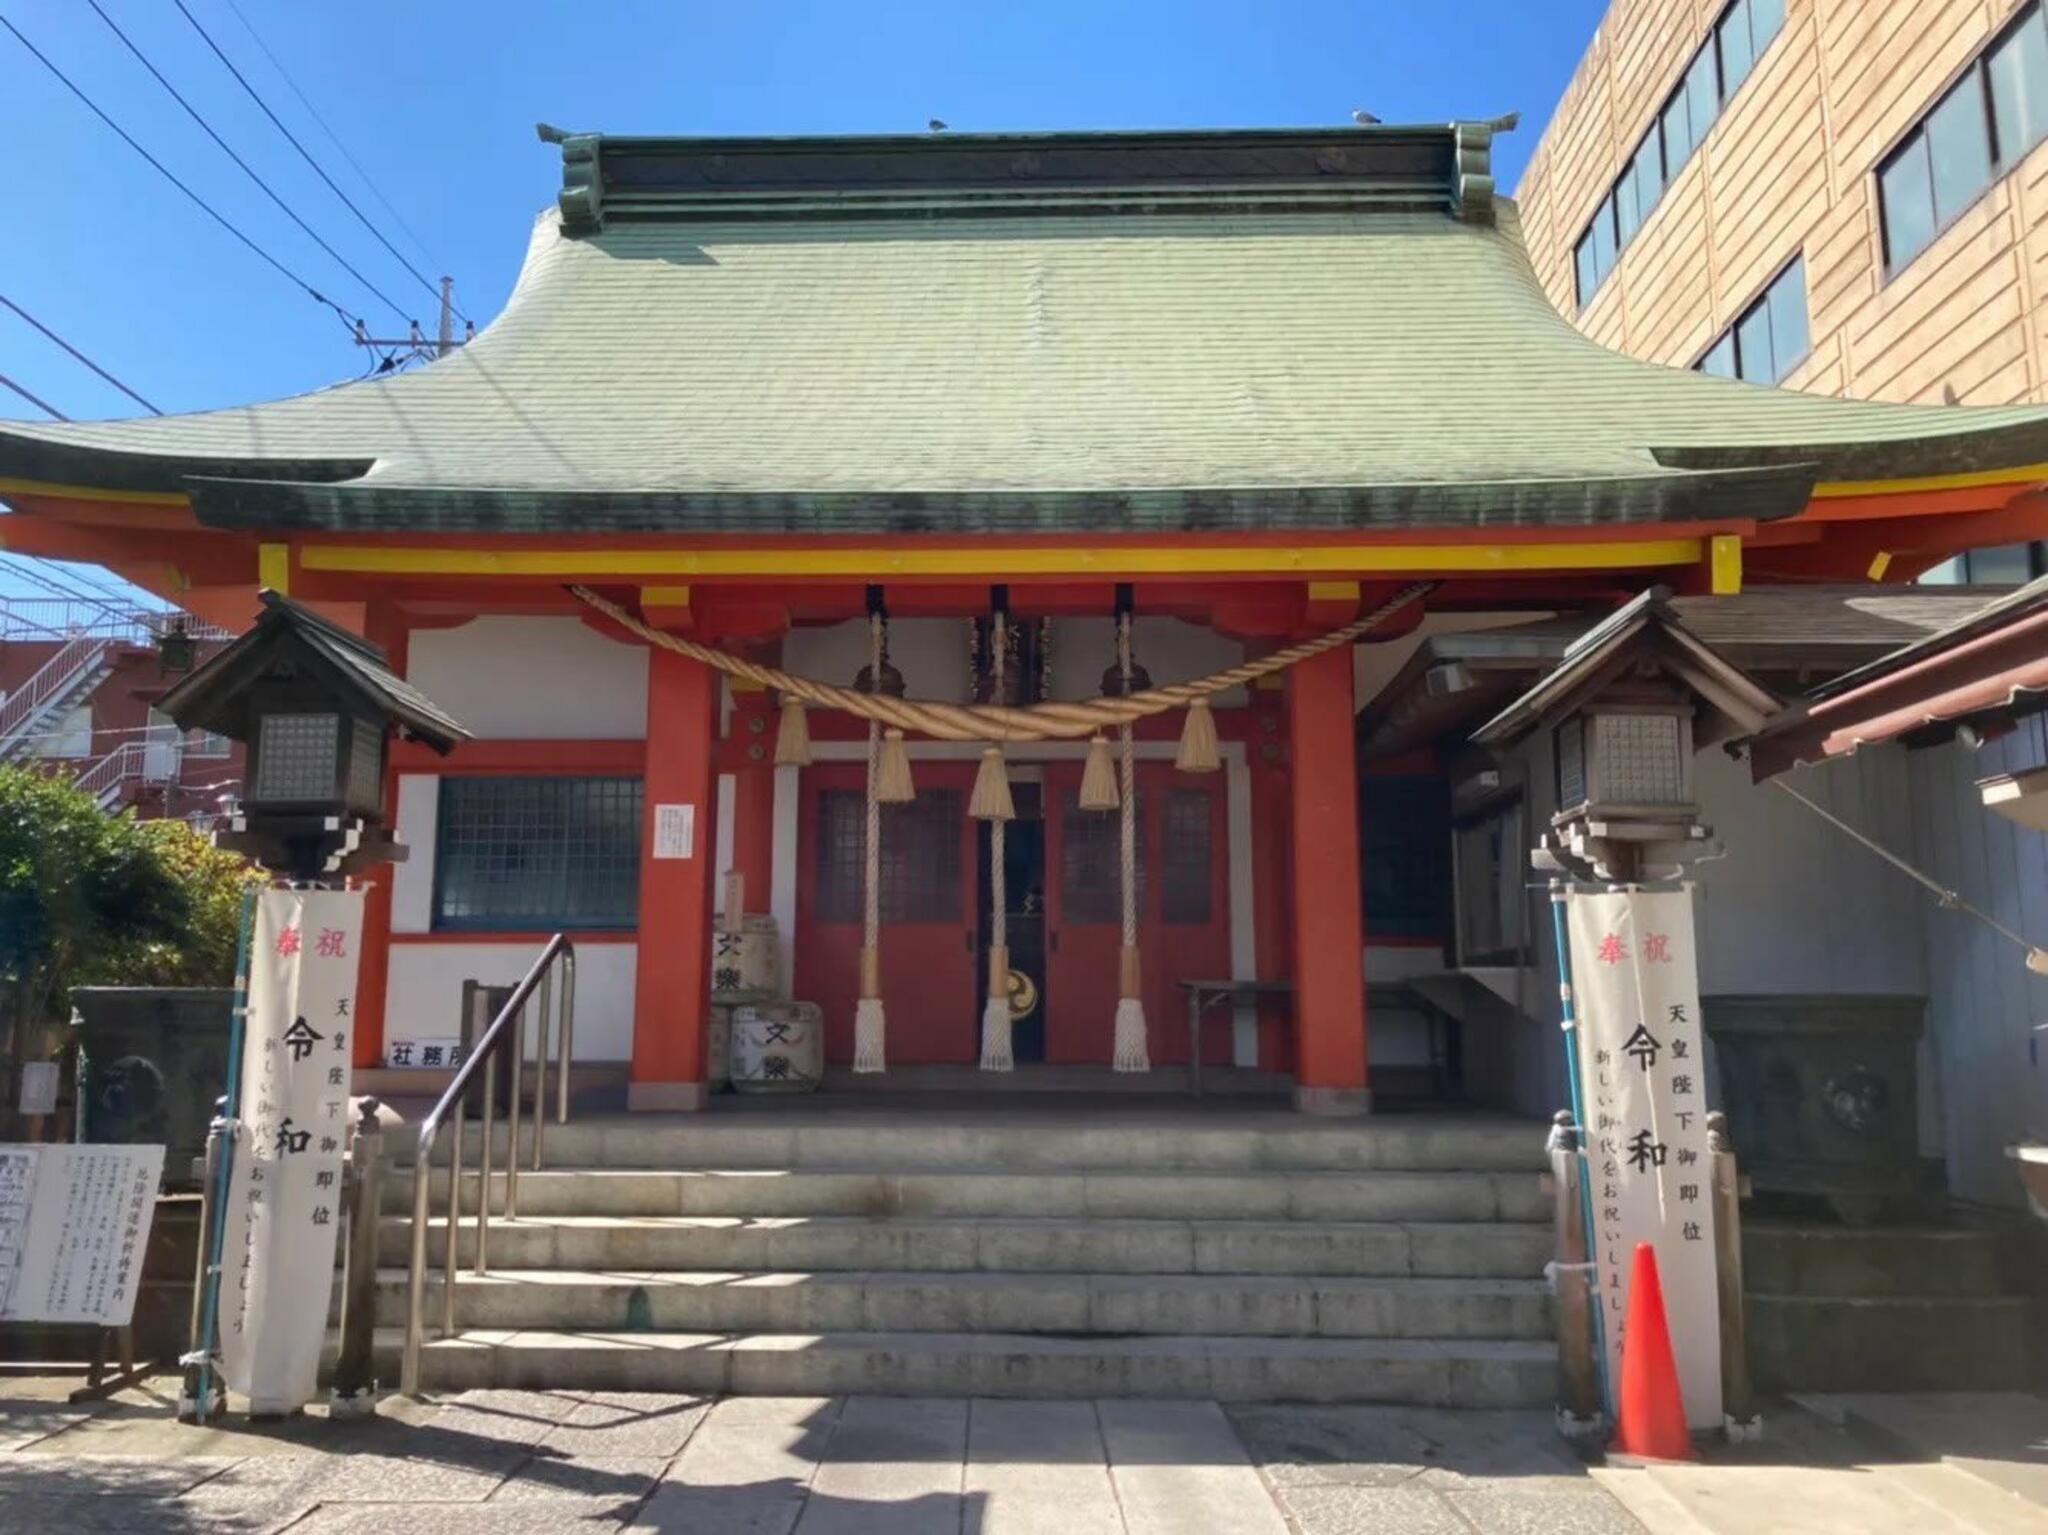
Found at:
[1769, 338]
[1091, 891]
[919, 865]
[537, 854]
[67, 735]
[1977, 132]
[2004, 565]
[1723, 62]
[1187, 825]
[1489, 855]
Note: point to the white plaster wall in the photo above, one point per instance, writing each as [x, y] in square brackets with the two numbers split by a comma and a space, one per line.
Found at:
[533, 679]
[1796, 906]
[1982, 1064]
[412, 885]
[423, 999]
[930, 652]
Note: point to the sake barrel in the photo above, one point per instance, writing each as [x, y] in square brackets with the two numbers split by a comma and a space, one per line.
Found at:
[718, 1055]
[777, 1047]
[746, 965]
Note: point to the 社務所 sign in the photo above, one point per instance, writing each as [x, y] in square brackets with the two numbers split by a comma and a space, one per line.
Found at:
[1635, 988]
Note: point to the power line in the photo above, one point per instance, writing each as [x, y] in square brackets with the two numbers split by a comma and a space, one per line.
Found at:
[304, 153]
[332, 137]
[37, 401]
[204, 206]
[226, 149]
[74, 351]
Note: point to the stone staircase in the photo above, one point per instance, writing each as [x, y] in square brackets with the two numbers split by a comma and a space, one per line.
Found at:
[1880, 1308]
[1164, 1250]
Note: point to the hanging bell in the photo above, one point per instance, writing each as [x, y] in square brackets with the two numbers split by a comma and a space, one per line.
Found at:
[893, 784]
[793, 735]
[1113, 680]
[1199, 752]
[1098, 777]
[991, 801]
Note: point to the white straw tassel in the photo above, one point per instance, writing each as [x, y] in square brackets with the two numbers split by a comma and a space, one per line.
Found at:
[867, 1035]
[1131, 1054]
[995, 1036]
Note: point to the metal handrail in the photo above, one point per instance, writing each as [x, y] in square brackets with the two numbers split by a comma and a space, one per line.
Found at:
[79, 654]
[507, 1032]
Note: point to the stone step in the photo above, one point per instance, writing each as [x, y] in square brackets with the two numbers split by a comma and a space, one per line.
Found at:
[1875, 1261]
[1407, 1372]
[1869, 1343]
[1193, 1195]
[1468, 1249]
[1101, 1304]
[812, 1137]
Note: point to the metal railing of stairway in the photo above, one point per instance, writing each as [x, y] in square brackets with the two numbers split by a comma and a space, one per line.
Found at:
[78, 656]
[505, 1036]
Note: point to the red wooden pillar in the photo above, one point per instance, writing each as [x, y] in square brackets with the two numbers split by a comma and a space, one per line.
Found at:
[672, 984]
[753, 797]
[1329, 928]
[386, 627]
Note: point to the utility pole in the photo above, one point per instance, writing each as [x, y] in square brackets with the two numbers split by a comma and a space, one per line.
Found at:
[415, 347]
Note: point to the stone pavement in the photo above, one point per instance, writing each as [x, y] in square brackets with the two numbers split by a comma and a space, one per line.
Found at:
[491, 1461]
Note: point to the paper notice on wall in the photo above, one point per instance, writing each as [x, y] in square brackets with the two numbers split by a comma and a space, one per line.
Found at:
[74, 1226]
[1635, 987]
[284, 1201]
[675, 831]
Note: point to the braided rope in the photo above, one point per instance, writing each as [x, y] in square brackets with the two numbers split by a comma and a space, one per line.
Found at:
[999, 916]
[1127, 811]
[999, 722]
[871, 908]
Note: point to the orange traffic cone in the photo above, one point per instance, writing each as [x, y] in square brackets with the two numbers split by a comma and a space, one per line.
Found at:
[1650, 1420]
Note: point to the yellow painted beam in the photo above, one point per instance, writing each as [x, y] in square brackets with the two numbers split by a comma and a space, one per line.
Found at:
[1333, 591]
[1724, 564]
[665, 596]
[1879, 564]
[781, 561]
[274, 567]
[92, 493]
[2020, 475]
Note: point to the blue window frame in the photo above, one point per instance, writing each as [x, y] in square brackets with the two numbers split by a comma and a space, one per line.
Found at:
[1982, 127]
[537, 854]
[1733, 45]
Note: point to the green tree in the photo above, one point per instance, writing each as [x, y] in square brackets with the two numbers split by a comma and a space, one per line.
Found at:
[92, 899]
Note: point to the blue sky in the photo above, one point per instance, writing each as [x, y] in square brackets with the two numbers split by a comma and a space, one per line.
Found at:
[437, 99]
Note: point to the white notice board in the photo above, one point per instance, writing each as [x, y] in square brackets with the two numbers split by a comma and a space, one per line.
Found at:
[74, 1224]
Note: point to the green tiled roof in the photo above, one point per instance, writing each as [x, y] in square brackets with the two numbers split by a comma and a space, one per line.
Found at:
[1295, 354]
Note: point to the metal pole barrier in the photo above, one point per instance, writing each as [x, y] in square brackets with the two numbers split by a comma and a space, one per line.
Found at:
[416, 1285]
[1738, 1404]
[483, 1187]
[354, 1392]
[213, 1239]
[1571, 1278]
[568, 1036]
[1569, 1021]
[540, 1064]
[517, 1048]
[194, 1405]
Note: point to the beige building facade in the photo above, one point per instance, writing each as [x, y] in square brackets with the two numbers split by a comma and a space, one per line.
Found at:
[1843, 196]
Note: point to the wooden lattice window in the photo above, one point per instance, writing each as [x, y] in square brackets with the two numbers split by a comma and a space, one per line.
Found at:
[1089, 892]
[537, 854]
[920, 858]
[1187, 826]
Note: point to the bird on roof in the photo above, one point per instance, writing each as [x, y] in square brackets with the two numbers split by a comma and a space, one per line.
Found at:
[936, 125]
[1364, 119]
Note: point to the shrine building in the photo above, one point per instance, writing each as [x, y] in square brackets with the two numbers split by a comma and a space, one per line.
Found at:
[809, 484]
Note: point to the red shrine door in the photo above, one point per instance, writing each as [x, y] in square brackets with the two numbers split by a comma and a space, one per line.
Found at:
[927, 938]
[1183, 898]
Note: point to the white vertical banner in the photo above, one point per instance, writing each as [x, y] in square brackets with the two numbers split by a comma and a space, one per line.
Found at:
[1636, 992]
[284, 1203]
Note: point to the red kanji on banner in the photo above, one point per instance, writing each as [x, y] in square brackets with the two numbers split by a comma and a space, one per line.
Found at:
[1657, 948]
[331, 944]
[288, 941]
[1611, 952]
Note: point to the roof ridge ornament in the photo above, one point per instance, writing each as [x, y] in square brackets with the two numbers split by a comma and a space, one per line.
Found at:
[1472, 184]
[582, 195]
